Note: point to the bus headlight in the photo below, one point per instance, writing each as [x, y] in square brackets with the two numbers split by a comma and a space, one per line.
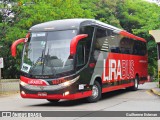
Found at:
[66, 93]
[23, 93]
[23, 83]
[68, 83]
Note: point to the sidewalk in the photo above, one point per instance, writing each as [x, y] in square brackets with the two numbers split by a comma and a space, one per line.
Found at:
[9, 86]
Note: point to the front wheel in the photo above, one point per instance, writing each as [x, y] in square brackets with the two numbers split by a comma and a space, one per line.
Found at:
[96, 92]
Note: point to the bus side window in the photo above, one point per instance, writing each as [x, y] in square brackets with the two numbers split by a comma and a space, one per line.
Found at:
[126, 46]
[135, 48]
[80, 54]
[101, 42]
[142, 48]
[114, 41]
[139, 48]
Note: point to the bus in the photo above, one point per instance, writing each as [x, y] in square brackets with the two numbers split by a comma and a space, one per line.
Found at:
[79, 58]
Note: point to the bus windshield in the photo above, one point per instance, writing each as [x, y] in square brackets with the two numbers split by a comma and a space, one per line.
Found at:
[47, 53]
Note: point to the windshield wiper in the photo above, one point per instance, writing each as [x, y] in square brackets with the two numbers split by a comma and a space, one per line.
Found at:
[40, 60]
[48, 60]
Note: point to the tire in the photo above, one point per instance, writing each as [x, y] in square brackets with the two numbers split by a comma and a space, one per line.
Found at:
[96, 92]
[52, 101]
[135, 87]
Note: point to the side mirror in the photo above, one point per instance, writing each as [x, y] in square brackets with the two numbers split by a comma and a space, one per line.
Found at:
[17, 42]
[14, 46]
[74, 42]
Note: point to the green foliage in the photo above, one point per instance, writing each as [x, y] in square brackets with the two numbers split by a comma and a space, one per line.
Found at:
[138, 16]
[27, 14]
[0, 17]
[104, 10]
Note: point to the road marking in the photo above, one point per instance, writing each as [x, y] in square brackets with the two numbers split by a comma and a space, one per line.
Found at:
[149, 92]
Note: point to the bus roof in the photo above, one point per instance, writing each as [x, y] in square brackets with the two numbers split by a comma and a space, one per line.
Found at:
[76, 23]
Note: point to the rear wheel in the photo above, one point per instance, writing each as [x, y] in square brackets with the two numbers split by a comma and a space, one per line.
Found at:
[96, 92]
[135, 87]
[52, 101]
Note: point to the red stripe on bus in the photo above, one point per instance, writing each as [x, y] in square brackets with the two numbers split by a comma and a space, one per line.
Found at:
[108, 89]
[36, 82]
[127, 34]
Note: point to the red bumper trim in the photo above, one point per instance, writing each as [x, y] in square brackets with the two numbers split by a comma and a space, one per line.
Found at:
[59, 96]
[116, 87]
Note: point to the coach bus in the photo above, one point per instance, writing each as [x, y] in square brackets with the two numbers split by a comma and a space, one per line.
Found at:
[79, 58]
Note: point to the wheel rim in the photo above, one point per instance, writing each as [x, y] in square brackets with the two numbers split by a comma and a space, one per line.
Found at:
[136, 83]
[94, 91]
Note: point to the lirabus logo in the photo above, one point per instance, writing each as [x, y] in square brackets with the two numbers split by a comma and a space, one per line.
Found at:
[118, 69]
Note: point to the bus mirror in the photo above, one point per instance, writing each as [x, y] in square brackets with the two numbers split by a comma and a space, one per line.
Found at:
[74, 42]
[17, 42]
[28, 35]
[14, 45]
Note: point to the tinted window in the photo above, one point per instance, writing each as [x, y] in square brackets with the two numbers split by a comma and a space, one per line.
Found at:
[114, 42]
[107, 40]
[126, 46]
[101, 42]
[139, 48]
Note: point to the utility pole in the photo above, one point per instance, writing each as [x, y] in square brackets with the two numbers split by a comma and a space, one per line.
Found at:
[1, 66]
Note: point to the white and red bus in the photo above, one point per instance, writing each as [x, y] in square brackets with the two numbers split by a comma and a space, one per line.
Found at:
[79, 58]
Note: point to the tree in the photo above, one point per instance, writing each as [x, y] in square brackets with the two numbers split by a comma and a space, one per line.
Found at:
[104, 10]
[28, 14]
[138, 17]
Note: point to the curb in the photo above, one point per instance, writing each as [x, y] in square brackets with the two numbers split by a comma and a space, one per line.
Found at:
[9, 80]
[156, 91]
[8, 93]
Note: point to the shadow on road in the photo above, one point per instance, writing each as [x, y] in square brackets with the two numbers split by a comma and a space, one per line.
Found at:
[113, 94]
[63, 103]
[78, 102]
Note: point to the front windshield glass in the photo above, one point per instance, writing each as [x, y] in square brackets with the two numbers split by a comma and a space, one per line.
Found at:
[47, 53]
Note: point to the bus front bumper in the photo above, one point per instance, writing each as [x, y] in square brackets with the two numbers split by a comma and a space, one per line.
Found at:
[44, 95]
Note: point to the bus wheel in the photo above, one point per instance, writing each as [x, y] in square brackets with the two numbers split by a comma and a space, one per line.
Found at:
[96, 92]
[135, 87]
[52, 101]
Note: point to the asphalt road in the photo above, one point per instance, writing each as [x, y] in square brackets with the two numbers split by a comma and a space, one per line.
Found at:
[121, 100]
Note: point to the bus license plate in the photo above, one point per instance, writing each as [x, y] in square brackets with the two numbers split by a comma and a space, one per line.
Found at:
[42, 94]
